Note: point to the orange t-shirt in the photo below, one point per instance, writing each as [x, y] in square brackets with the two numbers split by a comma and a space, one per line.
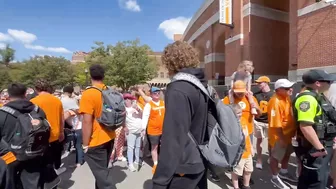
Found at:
[246, 109]
[248, 147]
[280, 115]
[141, 106]
[52, 107]
[91, 103]
[142, 101]
[156, 117]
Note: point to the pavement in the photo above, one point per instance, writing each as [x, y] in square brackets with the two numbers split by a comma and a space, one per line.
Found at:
[82, 178]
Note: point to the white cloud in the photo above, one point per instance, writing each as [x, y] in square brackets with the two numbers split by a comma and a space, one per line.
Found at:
[2, 45]
[174, 26]
[48, 49]
[22, 36]
[131, 5]
[5, 37]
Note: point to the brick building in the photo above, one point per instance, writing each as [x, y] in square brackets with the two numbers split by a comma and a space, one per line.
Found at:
[78, 57]
[282, 37]
[162, 78]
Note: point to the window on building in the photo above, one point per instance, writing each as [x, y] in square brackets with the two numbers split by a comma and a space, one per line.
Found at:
[167, 75]
[161, 74]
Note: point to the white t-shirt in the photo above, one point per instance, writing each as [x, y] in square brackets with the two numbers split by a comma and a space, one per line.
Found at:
[331, 95]
[71, 104]
[133, 120]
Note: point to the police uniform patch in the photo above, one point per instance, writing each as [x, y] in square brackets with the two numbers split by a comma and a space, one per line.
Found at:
[304, 106]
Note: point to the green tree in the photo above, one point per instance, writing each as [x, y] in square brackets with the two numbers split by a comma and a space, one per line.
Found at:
[7, 55]
[5, 78]
[127, 63]
[56, 70]
[81, 73]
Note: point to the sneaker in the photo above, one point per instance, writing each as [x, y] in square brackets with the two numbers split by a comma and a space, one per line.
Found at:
[278, 183]
[139, 164]
[132, 168]
[259, 166]
[287, 176]
[122, 159]
[110, 164]
[76, 165]
[60, 170]
[246, 187]
[65, 154]
[214, 177]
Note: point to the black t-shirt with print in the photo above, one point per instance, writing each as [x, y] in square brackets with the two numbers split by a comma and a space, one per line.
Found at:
[263, 98]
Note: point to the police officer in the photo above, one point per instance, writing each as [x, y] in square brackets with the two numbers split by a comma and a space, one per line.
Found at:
[316, 129]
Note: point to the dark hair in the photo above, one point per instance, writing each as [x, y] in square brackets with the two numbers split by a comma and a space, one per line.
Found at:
[42, 85]
[97, 72]
[17, 90]
[68, 89]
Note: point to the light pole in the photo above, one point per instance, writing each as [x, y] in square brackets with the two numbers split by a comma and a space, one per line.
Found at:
[86, 77]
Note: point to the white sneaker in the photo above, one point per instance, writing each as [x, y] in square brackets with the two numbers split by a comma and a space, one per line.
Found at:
[122, 159]
[60, 170]
[65, 154]
[132, 168]
[278, 183]
[259, 166]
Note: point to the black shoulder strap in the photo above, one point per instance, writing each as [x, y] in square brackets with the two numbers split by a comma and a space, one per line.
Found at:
[11, 111]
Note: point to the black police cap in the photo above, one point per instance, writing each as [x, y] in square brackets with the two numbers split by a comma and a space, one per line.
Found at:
[314, 75]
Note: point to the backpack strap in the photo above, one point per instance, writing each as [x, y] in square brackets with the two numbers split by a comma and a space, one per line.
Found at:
[11, 111]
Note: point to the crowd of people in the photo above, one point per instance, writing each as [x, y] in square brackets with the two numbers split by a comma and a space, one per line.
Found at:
[165, 120]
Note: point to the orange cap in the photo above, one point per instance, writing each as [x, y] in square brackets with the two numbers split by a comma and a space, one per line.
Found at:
[239, 87]
[262, 79]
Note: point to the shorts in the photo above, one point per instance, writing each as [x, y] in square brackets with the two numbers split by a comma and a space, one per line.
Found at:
[279, 152]
[260, 129]
[244, 165]
[154, 140]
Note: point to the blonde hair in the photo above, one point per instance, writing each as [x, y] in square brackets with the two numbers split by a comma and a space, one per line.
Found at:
[179, 55]
[246, 65]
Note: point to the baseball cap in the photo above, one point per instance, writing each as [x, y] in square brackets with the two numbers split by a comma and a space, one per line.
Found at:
[128, 96]
[239, 87]
[283, 83]
[155, 89]
[263, 79]
[314, 75]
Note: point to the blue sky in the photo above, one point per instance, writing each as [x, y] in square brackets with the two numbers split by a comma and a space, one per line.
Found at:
[58, 28]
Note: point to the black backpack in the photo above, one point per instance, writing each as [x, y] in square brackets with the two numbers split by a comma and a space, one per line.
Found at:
[32, 132]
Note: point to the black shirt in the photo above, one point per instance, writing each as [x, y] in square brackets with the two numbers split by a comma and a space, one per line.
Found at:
[186, 110]
[263, 98]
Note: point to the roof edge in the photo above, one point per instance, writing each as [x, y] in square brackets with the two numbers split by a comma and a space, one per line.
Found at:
[199, 12]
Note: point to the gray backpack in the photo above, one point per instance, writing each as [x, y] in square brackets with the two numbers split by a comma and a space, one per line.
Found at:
[226, 143]
[113, 109]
